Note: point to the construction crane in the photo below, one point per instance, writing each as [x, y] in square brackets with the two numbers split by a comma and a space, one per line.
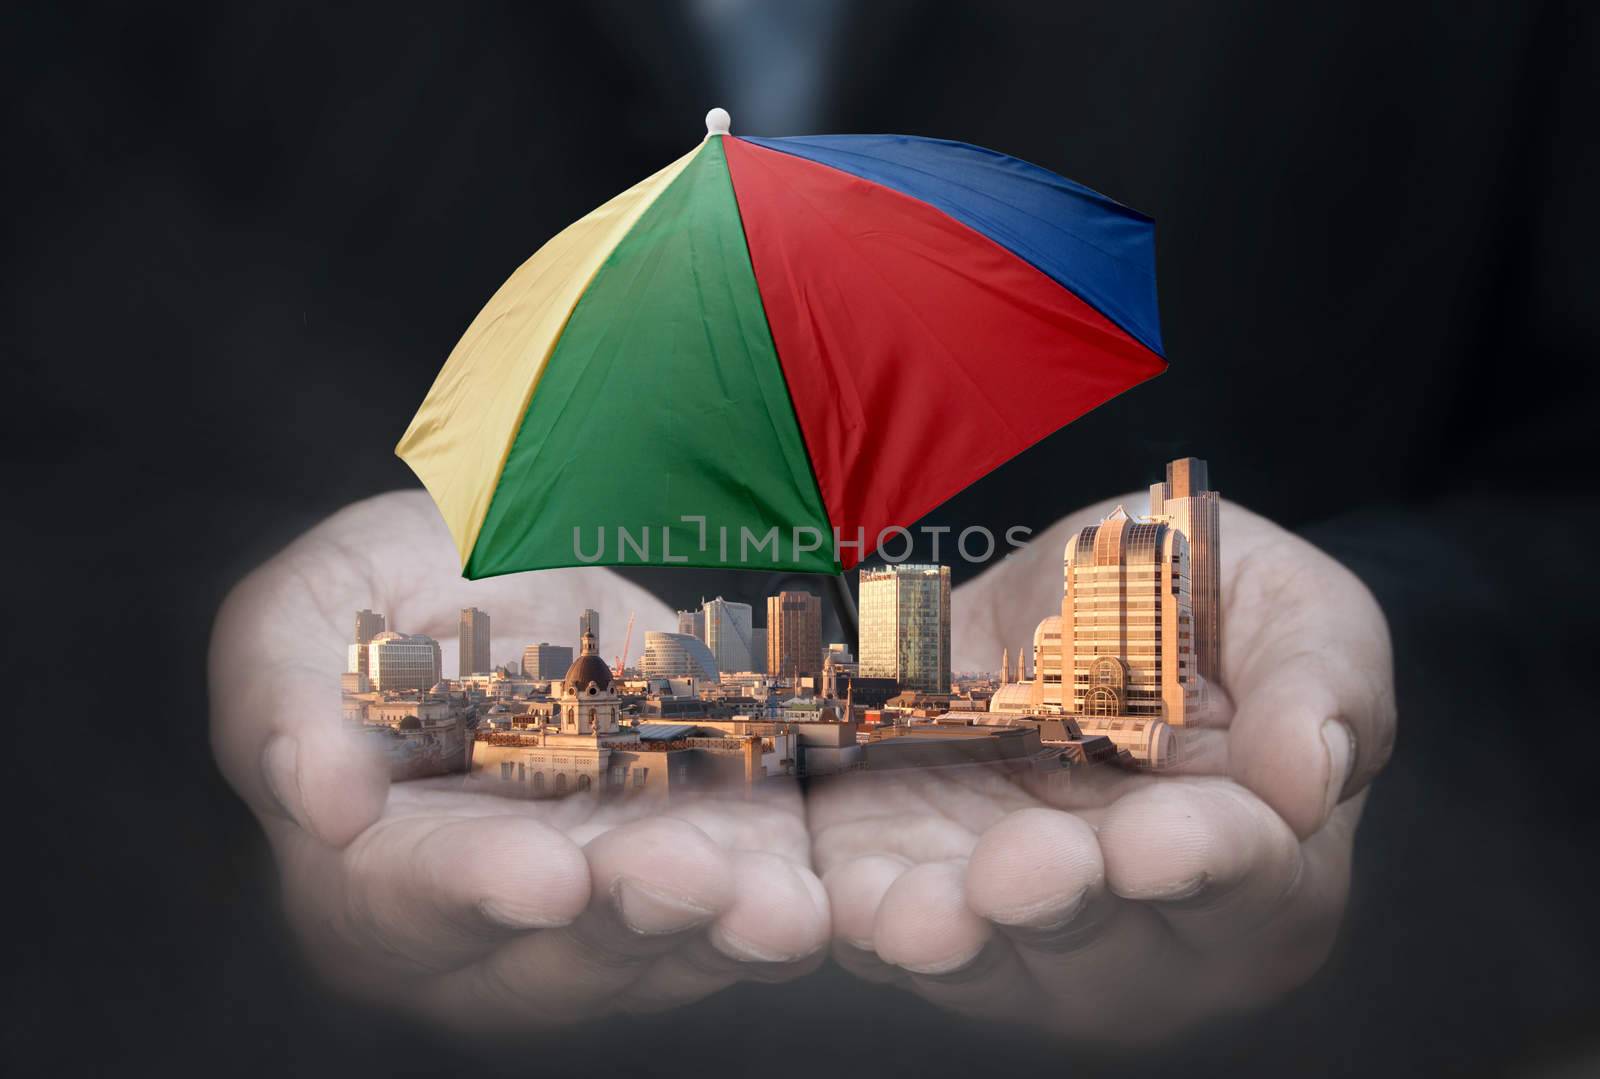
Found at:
[627, 639]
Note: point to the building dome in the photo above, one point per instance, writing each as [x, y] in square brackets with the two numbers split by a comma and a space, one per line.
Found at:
[677, 655]
[1119, 539]
[1015, 698]
[587, 668]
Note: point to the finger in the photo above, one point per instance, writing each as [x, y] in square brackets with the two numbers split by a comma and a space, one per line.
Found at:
[1214, 859]
[1034, 869]
[1303, 739]
[855, 892]
[779, 913]
[277, 730]
[1040, 876]
[1313, 680]
[775, 930]
[865, 964]
[652, 881]
[924, 924]
[952, 957]
[661, 875]
[424, 894]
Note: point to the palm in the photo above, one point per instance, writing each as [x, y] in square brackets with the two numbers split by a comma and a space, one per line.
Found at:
[479, 909]
[1127, 905]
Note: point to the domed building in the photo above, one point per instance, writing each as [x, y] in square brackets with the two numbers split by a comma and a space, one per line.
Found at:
[582, 745]
[537, 758]
[589, 704]
[677, 655]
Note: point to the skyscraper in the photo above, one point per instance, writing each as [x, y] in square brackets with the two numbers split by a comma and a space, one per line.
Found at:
[368, 625]
[589, 622]
[905, 626]
[794, 634]
[1187, 502]
[1127, 635]
[546, 662]
[758, 649]
[728, 633]
[693, 624]
[401, 661]
[474, 642]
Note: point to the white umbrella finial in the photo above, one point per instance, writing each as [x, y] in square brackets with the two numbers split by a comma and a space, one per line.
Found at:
[718, 122]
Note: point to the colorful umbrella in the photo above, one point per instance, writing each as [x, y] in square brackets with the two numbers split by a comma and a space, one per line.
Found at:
[776, 349]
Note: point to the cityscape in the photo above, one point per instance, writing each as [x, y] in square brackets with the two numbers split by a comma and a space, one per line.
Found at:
[720, 701]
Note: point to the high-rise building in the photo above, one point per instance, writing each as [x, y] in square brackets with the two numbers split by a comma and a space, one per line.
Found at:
[1187, 502]
[546, 662]
[794, 635]
[905, 626]
[474, 642]
[758, 649]
[676, 655]
[1127, 635]
[589, 622]
[368, 625]
[693, 624]
[403, 661]
[728, 633]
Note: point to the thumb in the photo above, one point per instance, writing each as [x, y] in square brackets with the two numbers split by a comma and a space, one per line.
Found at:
[276, 727]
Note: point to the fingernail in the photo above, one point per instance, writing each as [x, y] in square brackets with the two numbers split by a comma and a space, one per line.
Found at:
[280, 768]
[738, 948]
[1176, 892]
[650, 911]
[1045, 915]
[1341, 759]
[511, 915]
[948, 965]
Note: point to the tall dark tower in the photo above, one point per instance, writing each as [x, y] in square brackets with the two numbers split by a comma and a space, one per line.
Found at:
[368, 625]
[474, 642]
[589, 622]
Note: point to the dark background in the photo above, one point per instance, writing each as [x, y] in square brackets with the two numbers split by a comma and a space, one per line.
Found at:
[243, 239]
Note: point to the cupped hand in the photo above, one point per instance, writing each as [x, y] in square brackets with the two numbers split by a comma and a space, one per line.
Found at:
[474, 909]
[1124, 906]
